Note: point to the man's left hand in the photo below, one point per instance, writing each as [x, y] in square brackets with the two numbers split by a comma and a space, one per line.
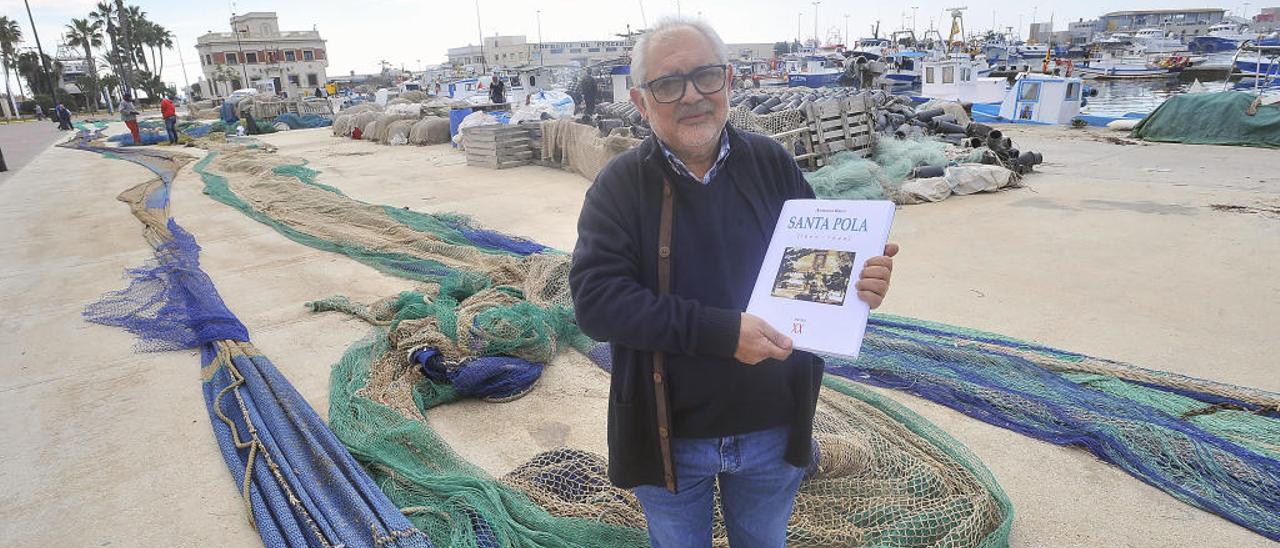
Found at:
[873, 284]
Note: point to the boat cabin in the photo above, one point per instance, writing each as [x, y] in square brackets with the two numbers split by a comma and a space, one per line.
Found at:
[1042, 98]
[959, 80]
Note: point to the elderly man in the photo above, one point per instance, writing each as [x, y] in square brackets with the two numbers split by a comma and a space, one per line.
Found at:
[670, 239]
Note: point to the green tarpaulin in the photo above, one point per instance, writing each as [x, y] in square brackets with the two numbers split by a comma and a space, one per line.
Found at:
[1217, 118]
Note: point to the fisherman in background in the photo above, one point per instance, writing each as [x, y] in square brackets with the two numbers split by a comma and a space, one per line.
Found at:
[170, 115]
[64, 117]
[129, 113]
[590, 94]
[497, 91]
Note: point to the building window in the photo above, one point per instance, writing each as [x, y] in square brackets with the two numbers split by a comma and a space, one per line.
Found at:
[575, 50]
[231, 59]
[611, 49]
[319, 54]
[251, 58]
[313, 80]
[928, 75]
[557, 51]
[208, 58]
[290, 56]
[593, 50]
[948, 75]
[293, 80]
[308, 55]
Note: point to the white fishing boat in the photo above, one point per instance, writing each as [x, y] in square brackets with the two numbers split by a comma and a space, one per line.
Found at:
[961, 80]
[1154, 41]
[1036, 99]
[1109, 66]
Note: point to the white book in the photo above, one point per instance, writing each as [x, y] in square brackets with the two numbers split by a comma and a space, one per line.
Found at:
[805, 288]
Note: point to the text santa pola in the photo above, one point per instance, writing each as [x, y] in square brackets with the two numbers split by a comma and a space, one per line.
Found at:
[818, 222]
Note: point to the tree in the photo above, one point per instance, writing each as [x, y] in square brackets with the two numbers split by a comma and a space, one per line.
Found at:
[31, 70]
[163, 40]
[88, 35]
[104, 15]
[89, 90]
[781, 48]
[10, 35]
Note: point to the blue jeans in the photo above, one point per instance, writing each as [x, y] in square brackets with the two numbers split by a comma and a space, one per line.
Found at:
[757, 491]
[170, 126]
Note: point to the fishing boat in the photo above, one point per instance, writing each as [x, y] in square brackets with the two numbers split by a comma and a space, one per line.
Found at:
[1130, 65]
[961, 80]
[1258, 59]
[1154, 41]
[818, 72]
[1036, 99]
[1224, 37]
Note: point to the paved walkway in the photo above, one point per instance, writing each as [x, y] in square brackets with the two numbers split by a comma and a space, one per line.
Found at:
[22, 141]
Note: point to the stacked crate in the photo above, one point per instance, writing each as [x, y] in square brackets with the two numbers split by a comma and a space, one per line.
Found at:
[497, 146]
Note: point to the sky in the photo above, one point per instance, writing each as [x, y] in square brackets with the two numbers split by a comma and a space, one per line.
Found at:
[413, 33]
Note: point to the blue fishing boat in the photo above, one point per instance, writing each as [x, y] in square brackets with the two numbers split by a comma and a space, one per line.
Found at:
[818, 72]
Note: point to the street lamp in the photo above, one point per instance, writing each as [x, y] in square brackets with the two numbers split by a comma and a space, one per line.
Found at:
[816, 40]
[240, 46]
[798, 14]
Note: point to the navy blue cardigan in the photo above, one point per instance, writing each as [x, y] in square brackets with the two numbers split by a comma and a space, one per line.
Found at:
[614, 282]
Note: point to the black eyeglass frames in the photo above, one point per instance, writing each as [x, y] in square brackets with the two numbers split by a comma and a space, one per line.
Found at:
[707, 79]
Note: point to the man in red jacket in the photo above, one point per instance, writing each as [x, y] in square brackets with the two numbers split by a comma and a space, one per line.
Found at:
[170, 119]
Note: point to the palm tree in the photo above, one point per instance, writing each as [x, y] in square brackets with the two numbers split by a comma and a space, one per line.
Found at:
[104, 14]
[136, 35]
[163, 40]
[10, 35]
[87, 35]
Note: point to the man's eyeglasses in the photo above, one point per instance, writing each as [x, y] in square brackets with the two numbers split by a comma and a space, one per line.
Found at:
[706, 79]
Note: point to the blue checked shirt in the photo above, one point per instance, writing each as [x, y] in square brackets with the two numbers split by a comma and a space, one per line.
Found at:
[681, 169]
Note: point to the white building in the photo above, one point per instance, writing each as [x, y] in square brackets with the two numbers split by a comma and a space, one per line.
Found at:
[516, 51]
[292, 62]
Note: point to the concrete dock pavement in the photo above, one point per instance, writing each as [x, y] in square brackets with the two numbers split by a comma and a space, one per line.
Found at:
[22, 141]
[1112, 250]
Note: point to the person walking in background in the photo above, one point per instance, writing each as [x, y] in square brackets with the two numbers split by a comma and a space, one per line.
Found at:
[64, 117]
[170, 115]
[129, 113]
[587, 86]
[497, 91]
[39, 112]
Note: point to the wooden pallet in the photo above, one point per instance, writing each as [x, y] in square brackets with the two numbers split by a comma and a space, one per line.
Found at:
[497, 146]
[838, 126]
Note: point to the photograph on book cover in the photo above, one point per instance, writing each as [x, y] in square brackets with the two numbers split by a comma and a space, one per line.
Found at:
[815, 275]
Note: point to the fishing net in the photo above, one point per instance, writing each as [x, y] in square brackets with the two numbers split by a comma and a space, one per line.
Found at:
[344, 123]
[398, 132]
[430, 131]
[579, 147]
[361, 108]
[413, 96]
[886, 477]
[1206, 443]
[300, 486]
[1209, 444]
[486, 323]
[850, 177]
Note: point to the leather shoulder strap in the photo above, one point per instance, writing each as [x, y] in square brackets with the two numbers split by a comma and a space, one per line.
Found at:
[659, 359]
